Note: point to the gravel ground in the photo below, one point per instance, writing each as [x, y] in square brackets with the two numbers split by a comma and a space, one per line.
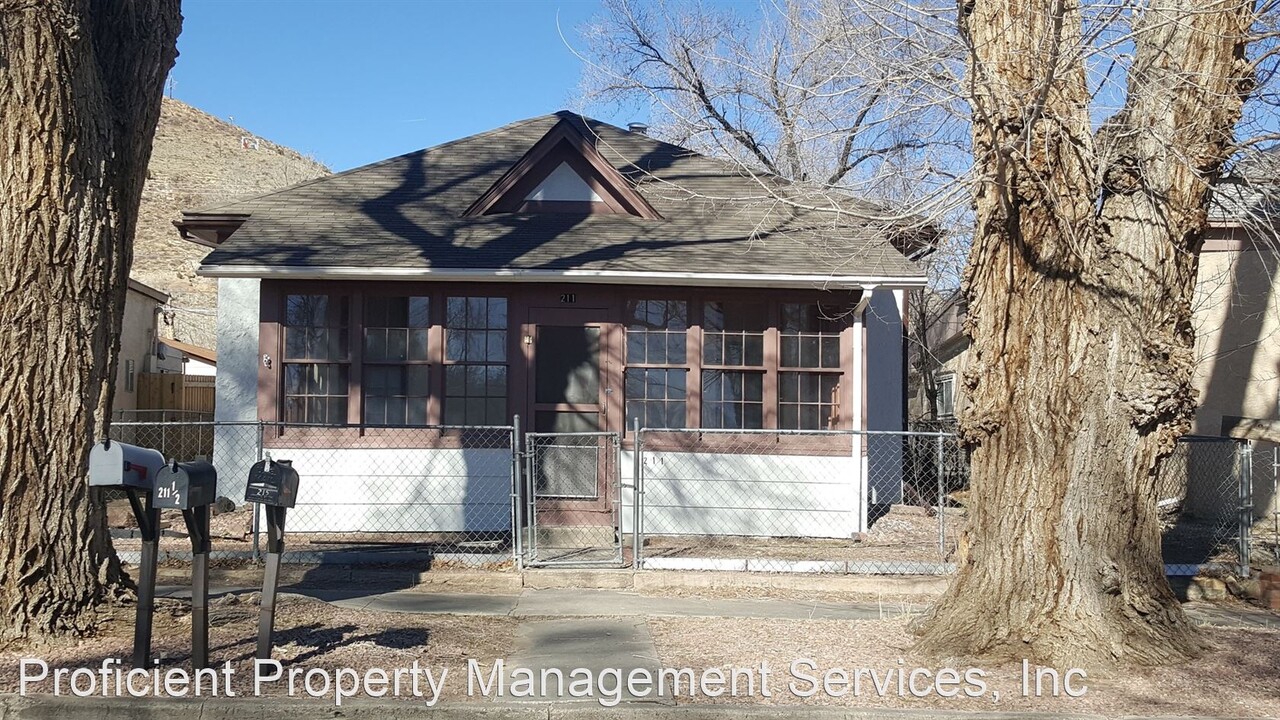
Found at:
[1240, 678]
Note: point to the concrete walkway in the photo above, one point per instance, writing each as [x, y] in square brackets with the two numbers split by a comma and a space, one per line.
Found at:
[581, 603]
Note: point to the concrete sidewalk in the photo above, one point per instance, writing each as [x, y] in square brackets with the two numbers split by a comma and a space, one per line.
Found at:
[578, 603]
[247, 708]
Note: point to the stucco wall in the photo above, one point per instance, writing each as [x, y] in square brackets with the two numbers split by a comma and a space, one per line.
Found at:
[746, 495]
[400, 490]
[1237, 323]
[235, 449]
[885, 390]
[137, 339]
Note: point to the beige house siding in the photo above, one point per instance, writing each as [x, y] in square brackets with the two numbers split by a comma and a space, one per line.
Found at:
[137, 342]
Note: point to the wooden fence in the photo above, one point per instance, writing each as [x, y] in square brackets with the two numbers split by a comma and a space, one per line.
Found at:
[173, 391]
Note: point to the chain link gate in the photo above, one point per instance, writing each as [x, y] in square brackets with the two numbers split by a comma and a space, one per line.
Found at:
[572, 499]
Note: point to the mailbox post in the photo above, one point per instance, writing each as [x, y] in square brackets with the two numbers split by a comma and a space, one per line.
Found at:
[273, 484]
[133, 469]
[192, 487]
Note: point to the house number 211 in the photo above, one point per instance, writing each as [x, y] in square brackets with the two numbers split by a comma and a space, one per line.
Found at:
[568, 297]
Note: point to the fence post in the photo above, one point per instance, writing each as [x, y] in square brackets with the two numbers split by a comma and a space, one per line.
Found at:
[1246, 504]
[942, 515]
[257, 509]
[517, 484]
[635, 494]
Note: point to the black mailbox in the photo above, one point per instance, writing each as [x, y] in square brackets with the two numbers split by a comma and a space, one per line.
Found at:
[116, 464]
[272, 482]
[182, 486]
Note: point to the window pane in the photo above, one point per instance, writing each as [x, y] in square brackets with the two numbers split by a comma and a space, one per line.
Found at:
[497, 381]
[495, 411]
[455, 412]
[830, 352]
[675, 347]
[419, 312]
[496, 346]
[753, 353]
[497, 314]
[635, 347]
[657, 347]
[455, 344]
[417, 380]
[455, 380]
[735, 316]
[477, 313]
[790, 351]
[417, 413]
[397, 344]
[456, 313]
[418, 344]
[657, 314]
[713, 349]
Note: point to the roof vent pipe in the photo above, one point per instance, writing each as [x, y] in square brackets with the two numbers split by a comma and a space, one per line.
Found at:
[638, 127]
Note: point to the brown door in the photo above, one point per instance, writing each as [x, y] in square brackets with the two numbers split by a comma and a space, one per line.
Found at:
[571, 390]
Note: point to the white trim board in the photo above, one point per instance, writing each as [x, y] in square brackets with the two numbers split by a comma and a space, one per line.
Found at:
[618, 277]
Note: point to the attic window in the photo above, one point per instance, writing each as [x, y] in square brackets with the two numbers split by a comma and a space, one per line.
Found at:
[563, 185]
[563, 173]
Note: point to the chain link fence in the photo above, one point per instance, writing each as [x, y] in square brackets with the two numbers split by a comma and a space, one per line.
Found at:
[770, 501]
[572, 500]
[791, 501]
[1206, 508]
[427, 495]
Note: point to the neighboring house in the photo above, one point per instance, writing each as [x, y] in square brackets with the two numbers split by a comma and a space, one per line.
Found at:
[936, 353]
[195, 360]
[139, 351]
[578, 275]
[1236, 318]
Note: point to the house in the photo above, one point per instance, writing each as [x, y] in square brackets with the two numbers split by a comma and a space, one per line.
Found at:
[578, 275]
[196, 360]
[1236, 318]
[139, 349]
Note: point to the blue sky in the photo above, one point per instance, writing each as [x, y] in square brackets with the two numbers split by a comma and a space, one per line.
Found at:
[352, 82]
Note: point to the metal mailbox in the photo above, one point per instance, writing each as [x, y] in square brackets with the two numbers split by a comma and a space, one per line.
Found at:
[186, 485]
[117, 464]
[134, 470]
[272, 482]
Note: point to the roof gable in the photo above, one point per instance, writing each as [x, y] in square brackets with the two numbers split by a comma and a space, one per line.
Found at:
[563, 155]
[564, 184]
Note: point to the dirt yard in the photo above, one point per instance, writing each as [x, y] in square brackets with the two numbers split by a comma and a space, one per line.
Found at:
[1241, 678]
[309, 634]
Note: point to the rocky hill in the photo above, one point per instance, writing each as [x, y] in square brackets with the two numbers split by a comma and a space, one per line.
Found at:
[199, 160]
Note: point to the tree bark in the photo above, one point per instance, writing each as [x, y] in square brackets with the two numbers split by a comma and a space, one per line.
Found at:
[80, 89]
[1080, 284]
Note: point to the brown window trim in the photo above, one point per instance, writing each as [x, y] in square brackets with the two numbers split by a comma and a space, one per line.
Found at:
[521, 298]
[771, 369]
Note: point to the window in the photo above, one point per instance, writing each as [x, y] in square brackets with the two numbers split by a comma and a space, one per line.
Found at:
[395, 372]
[808, 345]
[946, 397]
[316, 359]
[475, 379]
[733, 367]
[657, 362]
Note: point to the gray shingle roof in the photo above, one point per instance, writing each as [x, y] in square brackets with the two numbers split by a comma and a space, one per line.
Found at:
[407, 212]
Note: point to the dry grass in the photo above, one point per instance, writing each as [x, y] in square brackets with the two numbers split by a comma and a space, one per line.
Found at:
[1240, 678]
[309, 634]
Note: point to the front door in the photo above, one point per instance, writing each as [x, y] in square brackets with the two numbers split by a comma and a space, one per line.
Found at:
[571, 403]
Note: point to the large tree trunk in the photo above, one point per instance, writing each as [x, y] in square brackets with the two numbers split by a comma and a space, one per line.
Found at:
[1080, 284]
[80, 89]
